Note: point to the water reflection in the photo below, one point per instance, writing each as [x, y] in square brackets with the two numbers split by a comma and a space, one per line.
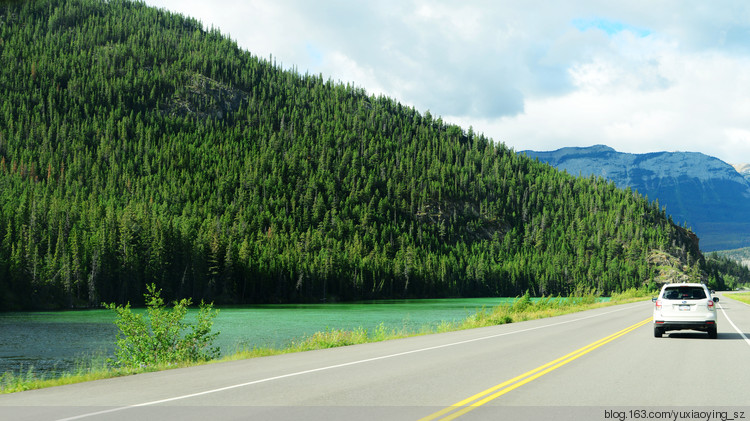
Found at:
[46, 343]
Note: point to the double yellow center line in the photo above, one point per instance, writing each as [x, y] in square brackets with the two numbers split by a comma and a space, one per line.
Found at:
[469, 404]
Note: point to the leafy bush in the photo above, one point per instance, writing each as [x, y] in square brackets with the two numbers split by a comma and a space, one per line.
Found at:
[521, 304]
[163, 338]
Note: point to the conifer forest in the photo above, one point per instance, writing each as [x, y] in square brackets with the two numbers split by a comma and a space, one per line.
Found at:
[137, 147]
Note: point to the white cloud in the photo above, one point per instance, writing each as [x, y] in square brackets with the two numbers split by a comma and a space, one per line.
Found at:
[683, 116]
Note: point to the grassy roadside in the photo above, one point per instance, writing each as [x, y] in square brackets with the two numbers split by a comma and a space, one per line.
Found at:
[743, 296]
[523, 308]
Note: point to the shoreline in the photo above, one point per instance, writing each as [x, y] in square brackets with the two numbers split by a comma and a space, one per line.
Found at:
[521, 309]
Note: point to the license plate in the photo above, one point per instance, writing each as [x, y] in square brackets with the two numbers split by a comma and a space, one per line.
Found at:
[684, 308]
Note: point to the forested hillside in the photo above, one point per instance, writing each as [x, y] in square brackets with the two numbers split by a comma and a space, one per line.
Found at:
[740, 255]
[135, 147]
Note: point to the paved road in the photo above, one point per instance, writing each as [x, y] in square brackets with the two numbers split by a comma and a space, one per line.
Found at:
[600, 364]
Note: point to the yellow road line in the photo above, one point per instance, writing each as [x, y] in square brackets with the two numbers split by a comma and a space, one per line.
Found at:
[474, 402]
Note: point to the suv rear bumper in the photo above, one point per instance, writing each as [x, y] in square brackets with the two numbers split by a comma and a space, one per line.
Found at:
[703, 325]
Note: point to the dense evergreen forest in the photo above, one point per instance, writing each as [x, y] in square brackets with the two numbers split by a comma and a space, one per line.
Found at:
[137, 147]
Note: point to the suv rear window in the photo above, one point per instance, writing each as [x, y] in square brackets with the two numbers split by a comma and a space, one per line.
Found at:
[684, 293]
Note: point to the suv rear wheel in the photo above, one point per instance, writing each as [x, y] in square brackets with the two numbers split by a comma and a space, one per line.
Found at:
[658, 332]
[712, 332]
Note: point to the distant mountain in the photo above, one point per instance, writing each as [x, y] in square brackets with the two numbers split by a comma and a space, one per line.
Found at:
[707, 194]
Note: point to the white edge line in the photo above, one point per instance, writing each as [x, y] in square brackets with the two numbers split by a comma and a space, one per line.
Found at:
[299, 373]
[732, 323]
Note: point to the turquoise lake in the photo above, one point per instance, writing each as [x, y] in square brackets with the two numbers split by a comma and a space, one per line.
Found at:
[54, 341]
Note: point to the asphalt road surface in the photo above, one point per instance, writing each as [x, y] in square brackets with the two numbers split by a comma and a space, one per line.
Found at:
[602, 364]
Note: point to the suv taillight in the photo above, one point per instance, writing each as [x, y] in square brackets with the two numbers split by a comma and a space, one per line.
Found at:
[710, 304]
[658, 304]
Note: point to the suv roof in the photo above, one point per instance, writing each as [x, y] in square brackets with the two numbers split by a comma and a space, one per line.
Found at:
[685, 284]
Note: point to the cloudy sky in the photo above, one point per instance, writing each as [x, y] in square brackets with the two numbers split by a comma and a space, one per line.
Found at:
[638, 75]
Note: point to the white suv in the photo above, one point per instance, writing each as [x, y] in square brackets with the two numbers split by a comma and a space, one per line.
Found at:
[685, 306]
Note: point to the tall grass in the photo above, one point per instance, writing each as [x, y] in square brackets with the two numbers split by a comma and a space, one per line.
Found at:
[523, 308]
[744, 297]
[85, 369]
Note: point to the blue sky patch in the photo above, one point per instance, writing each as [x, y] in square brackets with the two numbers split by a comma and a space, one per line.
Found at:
[315, 55]
[610, 27]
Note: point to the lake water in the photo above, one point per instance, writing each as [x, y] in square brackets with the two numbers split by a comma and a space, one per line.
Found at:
[54, 341]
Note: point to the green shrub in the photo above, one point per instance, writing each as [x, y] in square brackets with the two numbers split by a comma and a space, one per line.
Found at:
[521, 304]
[163, 338]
